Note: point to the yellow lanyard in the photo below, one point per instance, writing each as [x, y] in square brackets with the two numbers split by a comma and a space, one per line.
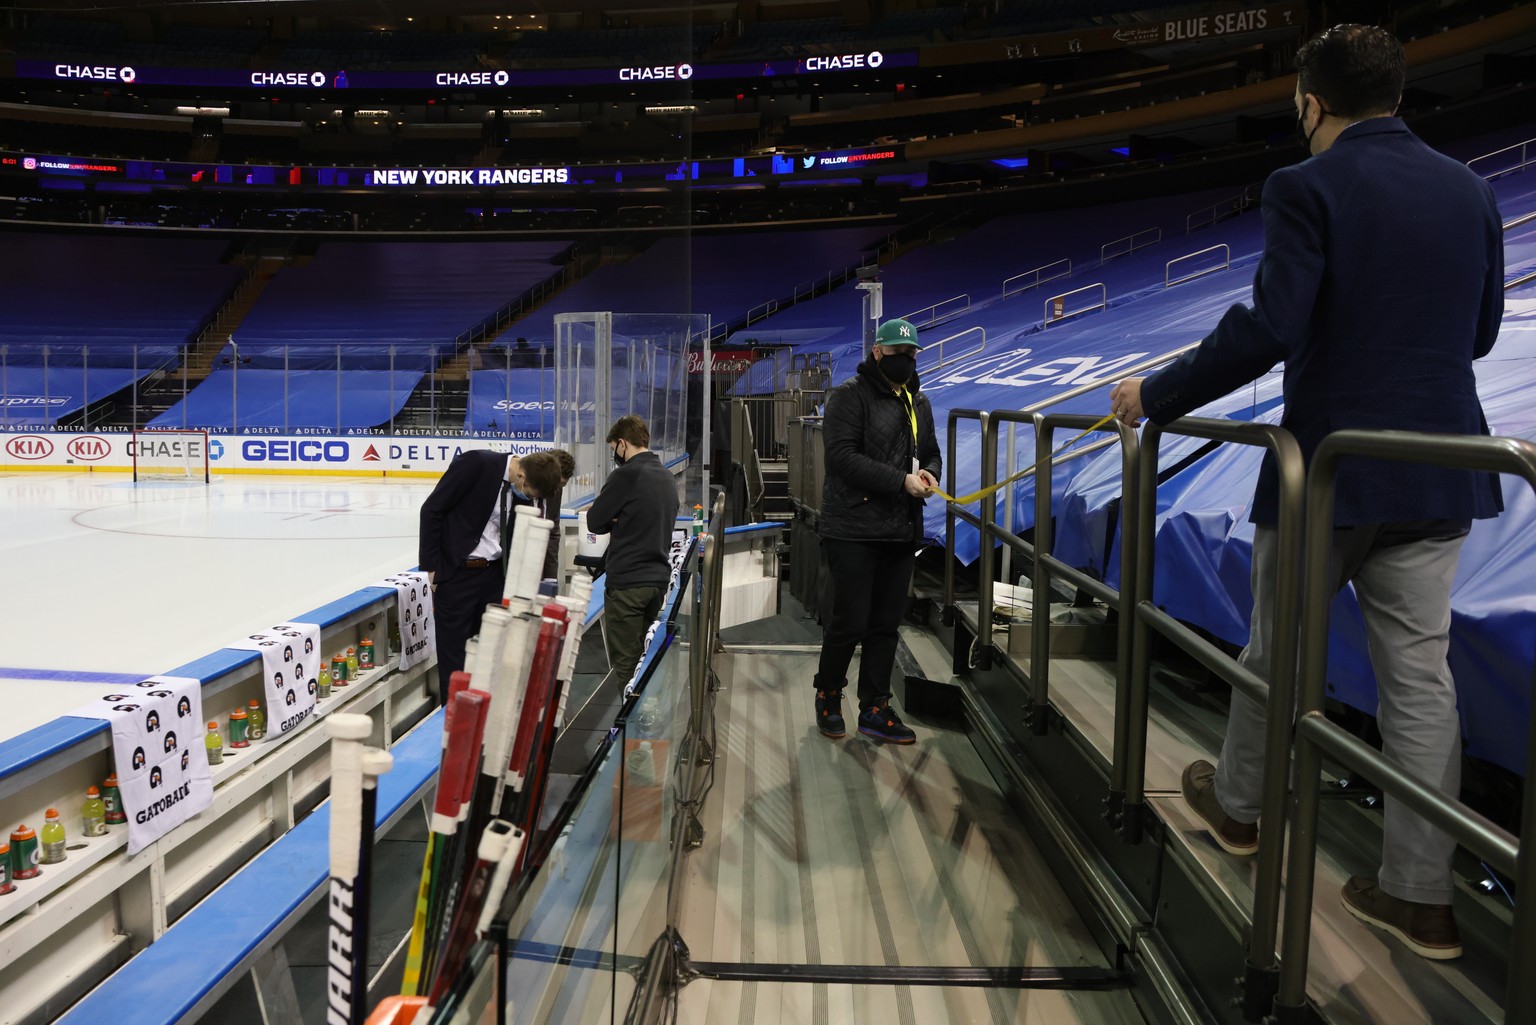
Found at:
[906, 400]
[984, 492]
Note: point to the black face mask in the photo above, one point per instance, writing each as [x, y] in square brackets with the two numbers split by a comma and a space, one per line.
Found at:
[898, 369]
[618, 460]
[1304, 137]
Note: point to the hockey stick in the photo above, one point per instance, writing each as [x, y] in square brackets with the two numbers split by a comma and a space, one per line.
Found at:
[346, 1005]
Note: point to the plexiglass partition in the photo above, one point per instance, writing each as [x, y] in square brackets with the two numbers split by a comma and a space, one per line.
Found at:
[608, 365]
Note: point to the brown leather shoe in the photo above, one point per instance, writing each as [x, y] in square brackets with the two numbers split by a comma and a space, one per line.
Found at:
[1199, 787]
[1428, 930]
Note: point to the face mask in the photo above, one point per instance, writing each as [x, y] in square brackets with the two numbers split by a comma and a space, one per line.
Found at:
[521, 497]
[898, 368]
[1303, 136]
[618, 460]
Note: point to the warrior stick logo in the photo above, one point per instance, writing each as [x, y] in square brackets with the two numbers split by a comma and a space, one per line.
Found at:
[338, 978]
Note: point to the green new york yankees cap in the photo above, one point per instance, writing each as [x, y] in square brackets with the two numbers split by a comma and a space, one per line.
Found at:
[897, 332]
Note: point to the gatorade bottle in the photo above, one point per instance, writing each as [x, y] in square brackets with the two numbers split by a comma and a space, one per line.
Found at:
[338, 670]
[24, 853]
[324, 684]
[352, 663]
[214, 742]
[258, 720]
[239, 722]
[6, 886]
[114, 802]
[698, 520]
[365, 654]
[53, 838]
[94, 814]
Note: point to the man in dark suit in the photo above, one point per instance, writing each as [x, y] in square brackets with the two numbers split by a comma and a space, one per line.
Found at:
[466, 525]
[1381, 281]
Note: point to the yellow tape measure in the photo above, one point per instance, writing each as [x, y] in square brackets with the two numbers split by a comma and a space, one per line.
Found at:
[993, 489]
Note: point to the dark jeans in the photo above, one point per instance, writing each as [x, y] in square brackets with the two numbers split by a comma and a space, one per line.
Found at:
[459, 602]
[627, 615]
[868, 582]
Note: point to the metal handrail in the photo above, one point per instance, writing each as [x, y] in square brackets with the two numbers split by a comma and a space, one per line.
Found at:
[1276, 693]
[1038, 272]
[951, 511]
[1051, 315]
[1315, 735]
[1525, 159]
[934, 310]
[987, 523]
[1047, 565]
[939, 345]
[1131, 244]
[1169, 281]
[767, 309]
[1234, 205]
[956, 415]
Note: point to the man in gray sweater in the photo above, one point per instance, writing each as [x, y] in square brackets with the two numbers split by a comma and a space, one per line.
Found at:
[638, 507]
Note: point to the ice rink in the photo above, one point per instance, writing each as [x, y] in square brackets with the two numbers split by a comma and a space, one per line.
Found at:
[111, 582]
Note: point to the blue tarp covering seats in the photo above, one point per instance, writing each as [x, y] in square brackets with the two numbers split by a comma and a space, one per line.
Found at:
[724, 276]
[307, 399]
[126, 299]
[34, 397]
[367, 296]
[974, 264]
[1204, 542]
[518, 403]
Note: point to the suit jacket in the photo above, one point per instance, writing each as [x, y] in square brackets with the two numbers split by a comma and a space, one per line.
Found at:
[1382, 279]
[454, 515]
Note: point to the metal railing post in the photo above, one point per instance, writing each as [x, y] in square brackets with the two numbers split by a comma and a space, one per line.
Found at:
[1314, 734]
[1040, 580]
[1275, 687]
[985, 523]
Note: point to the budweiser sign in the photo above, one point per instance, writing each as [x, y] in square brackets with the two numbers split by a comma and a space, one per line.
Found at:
[722, 361]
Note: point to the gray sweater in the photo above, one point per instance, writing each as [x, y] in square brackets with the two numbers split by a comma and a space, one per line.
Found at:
[638, 506]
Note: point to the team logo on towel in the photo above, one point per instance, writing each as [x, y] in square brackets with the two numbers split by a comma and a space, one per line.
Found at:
[138, 758]
[152, 721]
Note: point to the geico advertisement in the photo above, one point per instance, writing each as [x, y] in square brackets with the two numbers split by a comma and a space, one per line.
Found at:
[175, 451]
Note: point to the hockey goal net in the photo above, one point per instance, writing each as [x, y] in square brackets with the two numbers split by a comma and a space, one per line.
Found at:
[170, 455]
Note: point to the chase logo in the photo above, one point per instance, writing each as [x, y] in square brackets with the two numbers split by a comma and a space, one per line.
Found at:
[215, 448]
[128, 75]
[501, 78]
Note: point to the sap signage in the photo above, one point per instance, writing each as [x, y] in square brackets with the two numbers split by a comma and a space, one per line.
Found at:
[383, 456]
[340, 78]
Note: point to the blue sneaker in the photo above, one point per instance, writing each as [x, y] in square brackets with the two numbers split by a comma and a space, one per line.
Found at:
[882, 721]
[829, 714]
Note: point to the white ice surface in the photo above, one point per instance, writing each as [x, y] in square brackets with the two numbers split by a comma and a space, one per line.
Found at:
[105, 576]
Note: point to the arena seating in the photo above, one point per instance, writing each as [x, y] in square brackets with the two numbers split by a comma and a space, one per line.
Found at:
[355, 300]
[107, 301]
[288, 401]
[725, 276]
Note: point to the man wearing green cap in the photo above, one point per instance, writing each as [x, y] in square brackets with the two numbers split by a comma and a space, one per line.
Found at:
[882, 460]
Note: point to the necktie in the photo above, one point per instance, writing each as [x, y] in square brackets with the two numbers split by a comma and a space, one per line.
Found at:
[506, 524]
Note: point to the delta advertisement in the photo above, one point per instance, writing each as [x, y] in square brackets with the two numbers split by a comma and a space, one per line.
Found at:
[169, 453]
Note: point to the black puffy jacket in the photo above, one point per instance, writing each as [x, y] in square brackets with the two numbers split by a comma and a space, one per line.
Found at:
[868, 444]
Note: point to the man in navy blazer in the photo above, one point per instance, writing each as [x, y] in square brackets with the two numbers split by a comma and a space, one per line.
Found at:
[1381, 281]
[466, 525]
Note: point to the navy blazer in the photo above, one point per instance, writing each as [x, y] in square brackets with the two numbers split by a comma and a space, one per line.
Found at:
[1382, 279]
[454, 515]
